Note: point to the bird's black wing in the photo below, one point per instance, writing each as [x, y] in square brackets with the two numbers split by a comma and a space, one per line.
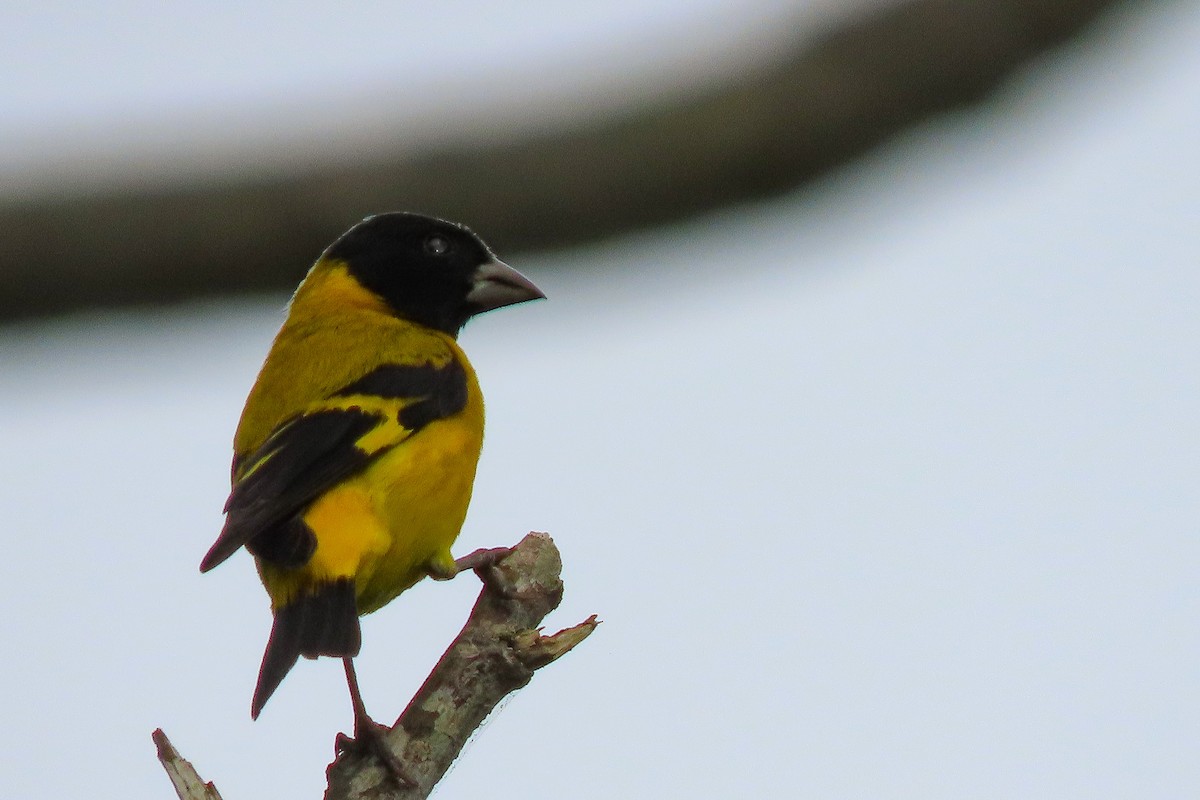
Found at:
[327, 443]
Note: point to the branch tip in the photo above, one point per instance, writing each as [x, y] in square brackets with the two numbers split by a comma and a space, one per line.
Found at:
[536, 650]
[187, 782]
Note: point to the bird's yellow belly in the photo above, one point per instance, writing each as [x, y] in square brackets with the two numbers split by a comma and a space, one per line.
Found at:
[421, 500]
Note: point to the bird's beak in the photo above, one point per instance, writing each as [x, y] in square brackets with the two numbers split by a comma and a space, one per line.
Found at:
[496, 284]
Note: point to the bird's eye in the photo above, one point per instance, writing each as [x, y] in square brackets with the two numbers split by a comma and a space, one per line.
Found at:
[437, 245]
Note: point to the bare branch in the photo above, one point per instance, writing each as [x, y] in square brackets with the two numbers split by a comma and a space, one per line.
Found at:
[496, 653]
[187, 782]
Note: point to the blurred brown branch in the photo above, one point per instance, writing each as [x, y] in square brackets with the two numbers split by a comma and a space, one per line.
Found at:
[756, 134]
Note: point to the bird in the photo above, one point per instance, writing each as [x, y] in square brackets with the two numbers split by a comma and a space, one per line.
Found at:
[355, 455]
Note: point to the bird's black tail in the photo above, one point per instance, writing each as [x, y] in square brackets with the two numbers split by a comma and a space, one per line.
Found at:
[322, 621]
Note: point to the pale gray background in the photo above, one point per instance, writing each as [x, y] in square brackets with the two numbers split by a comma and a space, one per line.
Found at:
[885, 489]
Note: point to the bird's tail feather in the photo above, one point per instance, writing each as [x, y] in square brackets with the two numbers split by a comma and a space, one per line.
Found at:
[322, 621]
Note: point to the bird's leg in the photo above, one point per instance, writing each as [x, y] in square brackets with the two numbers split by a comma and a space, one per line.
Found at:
[483, 561]
[369, 734]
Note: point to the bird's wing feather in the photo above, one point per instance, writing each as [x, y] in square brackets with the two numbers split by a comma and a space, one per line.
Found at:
[332, 440]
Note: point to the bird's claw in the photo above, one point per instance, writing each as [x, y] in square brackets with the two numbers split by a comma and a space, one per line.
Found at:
[370, 738]
[484, 563]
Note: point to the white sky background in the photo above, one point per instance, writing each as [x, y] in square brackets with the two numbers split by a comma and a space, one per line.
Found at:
[887, 488]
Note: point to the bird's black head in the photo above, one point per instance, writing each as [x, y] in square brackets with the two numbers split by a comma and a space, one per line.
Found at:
[430, 271]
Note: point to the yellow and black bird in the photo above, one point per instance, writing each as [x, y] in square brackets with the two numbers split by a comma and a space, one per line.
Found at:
[355, 455]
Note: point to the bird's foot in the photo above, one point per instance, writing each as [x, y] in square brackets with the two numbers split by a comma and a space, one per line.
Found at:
[483, 561]
[370, 738]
